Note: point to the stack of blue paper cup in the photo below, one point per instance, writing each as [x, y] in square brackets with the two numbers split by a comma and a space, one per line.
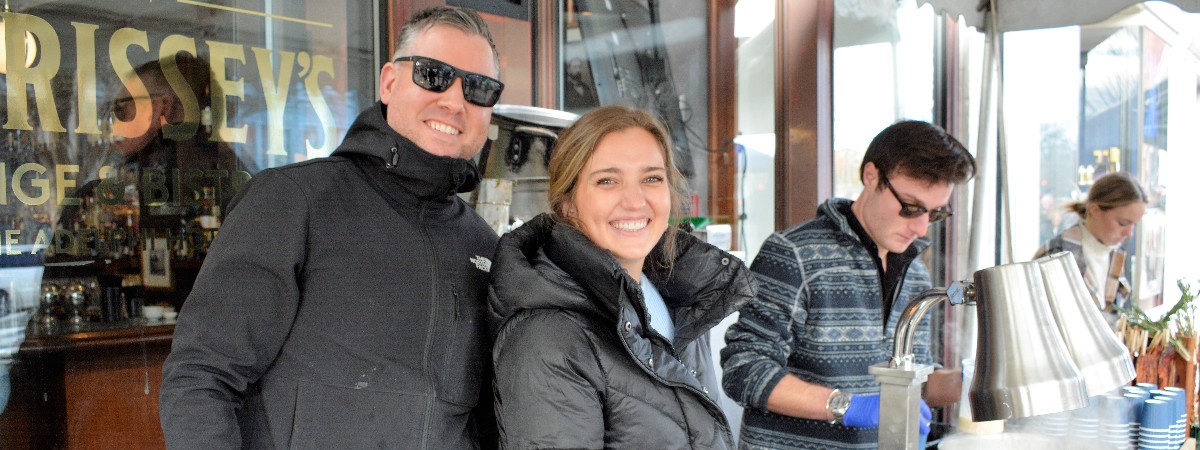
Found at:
[1178, 404]
[1114, 421]
[1135, 397]
[1158, 415]
[1181, 409]
[1147, 386]
[1054, 425]
[1085, 421]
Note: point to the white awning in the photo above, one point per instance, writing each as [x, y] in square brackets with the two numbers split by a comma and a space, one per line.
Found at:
[1013, 15]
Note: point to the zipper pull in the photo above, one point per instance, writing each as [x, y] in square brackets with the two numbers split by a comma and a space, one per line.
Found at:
[395, 159]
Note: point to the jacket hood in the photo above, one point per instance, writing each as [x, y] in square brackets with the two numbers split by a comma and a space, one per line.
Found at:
[545, 264]
[425, 174]
[524, 275]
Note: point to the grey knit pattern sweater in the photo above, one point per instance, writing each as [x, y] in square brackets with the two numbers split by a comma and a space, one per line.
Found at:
[818, 315]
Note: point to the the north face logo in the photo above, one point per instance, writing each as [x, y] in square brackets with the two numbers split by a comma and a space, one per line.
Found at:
[482, 263]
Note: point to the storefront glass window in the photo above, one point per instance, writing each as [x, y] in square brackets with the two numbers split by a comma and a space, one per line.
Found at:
[128, 126]
[650, 54]
[1041, 123]
[1078, 119]
[883, 71]
[755, 28]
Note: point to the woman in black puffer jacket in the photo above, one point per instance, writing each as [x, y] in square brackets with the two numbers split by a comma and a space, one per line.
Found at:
[602, 310]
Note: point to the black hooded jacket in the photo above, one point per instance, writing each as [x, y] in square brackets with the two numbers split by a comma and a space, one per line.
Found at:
[341, 306]
[576, 364]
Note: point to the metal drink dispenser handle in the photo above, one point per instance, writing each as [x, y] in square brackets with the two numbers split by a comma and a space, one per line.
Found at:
[900, 379]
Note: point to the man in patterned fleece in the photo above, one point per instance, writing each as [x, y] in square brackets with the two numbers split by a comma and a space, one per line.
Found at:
[831, 291]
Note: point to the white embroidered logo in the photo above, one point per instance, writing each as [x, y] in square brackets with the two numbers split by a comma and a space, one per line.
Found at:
[482, 263]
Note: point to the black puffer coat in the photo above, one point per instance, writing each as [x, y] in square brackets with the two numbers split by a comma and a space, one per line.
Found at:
[576, 365]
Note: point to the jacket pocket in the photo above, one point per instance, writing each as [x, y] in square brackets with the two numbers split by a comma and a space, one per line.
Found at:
[465, 351]
[335, 417]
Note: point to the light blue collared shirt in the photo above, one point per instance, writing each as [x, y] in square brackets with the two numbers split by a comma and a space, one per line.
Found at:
[660, 317]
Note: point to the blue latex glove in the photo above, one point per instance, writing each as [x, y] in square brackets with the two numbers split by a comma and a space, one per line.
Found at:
[926, 417]
[863, 412]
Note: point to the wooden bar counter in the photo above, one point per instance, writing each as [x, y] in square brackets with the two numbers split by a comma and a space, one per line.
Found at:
[87, 386]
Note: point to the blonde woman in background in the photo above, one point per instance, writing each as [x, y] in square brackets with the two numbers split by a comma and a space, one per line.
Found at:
[1113, 206]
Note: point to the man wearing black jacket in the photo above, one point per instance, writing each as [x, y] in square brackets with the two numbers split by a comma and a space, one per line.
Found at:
[342, 304]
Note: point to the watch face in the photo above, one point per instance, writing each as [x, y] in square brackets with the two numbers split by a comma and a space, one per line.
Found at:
[839, 403]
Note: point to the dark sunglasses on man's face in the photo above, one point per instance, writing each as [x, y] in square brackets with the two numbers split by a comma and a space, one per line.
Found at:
[123, 108]
[911, 211]
[437, 76]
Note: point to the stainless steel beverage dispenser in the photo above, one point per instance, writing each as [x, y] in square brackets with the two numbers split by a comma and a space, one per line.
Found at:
[1043, 348]
[522, 139]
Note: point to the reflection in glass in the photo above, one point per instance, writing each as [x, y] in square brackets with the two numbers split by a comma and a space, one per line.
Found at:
[883, 61]
[124, 140]
[644, 54]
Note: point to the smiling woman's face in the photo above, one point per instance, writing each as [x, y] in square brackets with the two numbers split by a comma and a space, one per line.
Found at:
[622, 199]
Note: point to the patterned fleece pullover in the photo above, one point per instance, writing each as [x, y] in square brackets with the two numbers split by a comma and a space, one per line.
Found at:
[818, 315]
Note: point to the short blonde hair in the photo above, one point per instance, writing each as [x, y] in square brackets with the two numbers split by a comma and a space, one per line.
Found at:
[577, 144]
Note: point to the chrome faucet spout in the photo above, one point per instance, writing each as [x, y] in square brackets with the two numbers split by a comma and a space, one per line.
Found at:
[906, 328]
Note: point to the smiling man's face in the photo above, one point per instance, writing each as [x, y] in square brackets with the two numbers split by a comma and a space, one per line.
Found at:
[441, 123]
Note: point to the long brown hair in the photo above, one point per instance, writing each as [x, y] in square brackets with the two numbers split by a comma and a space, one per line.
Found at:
[577, 144]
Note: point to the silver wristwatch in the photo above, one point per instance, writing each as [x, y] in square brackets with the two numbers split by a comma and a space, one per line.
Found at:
[839, 402]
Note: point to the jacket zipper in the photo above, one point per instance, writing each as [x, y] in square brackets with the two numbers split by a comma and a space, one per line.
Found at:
[705, 399]
[433, 286]
[453, 332]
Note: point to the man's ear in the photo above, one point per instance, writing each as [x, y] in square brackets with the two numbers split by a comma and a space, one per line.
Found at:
[387, 81]
[870, 176]
[168, 107]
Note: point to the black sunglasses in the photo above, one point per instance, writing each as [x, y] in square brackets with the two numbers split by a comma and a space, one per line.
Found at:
[437, 76]
[122, 108]
[911, 211]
